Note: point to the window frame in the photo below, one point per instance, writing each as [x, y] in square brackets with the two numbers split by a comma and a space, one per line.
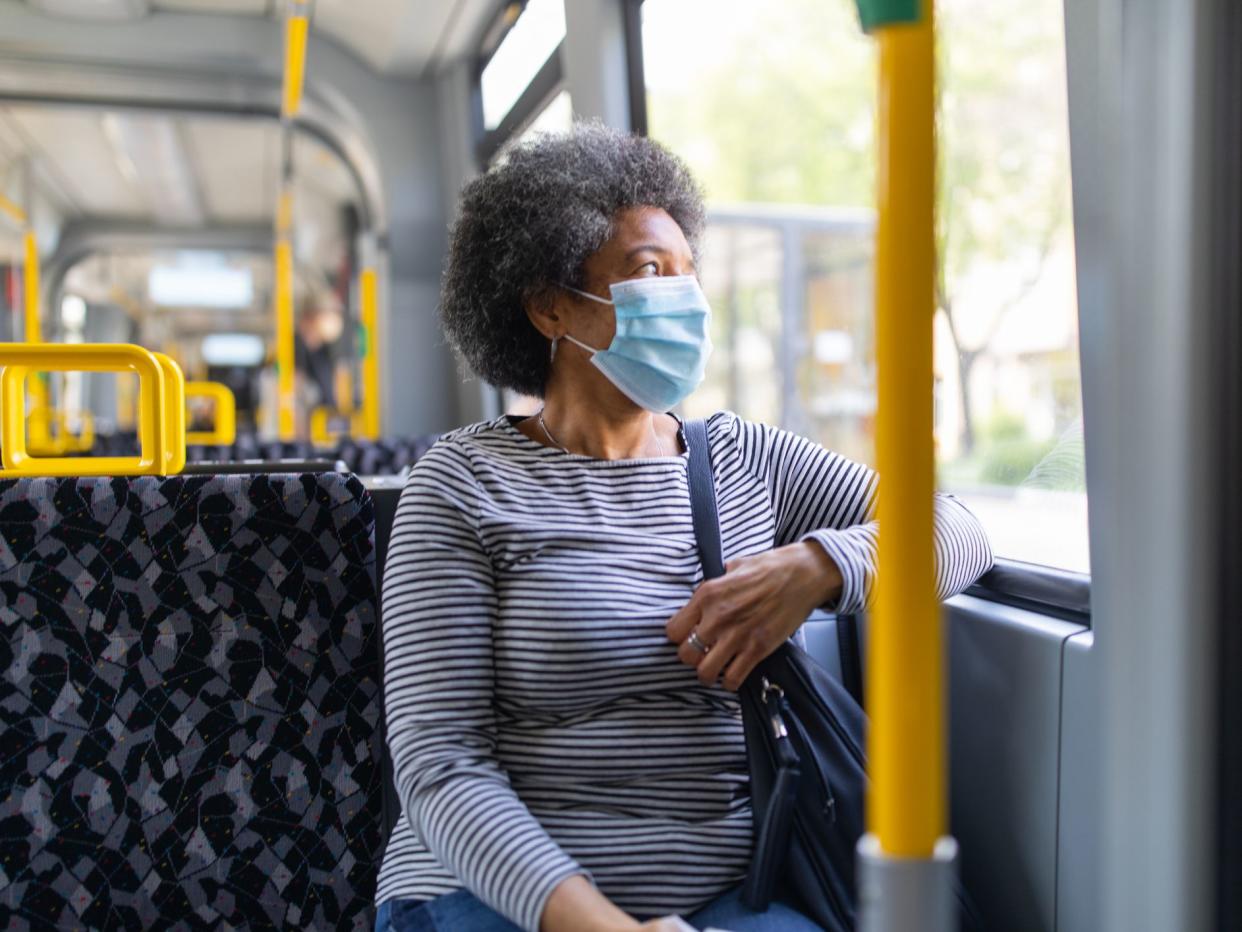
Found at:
[548, 81]
[1045, 590]
[635, 73]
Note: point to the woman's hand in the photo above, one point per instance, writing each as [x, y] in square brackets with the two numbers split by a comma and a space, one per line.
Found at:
[746, 614]
[577, 906]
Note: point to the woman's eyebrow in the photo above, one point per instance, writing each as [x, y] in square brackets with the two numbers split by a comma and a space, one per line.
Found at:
[648, 247]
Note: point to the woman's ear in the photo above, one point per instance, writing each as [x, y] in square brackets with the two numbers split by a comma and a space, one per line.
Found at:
[545, 313]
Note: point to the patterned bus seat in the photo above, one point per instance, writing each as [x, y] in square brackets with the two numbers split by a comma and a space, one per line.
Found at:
[190, 721]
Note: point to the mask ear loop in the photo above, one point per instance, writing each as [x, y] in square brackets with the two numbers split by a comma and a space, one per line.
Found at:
[586, 294]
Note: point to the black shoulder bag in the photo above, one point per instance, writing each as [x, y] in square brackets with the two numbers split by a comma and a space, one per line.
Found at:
[804, 744]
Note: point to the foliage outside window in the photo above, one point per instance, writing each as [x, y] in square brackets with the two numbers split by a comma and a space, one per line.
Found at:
[773, 107]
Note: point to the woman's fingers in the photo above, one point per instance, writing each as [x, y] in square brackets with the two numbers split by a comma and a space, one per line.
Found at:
[739, 668]
[718, 657]
[690, 654]
[687, 617]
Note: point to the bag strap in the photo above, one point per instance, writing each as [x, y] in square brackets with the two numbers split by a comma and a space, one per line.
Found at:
[703, 499]
[773, 826]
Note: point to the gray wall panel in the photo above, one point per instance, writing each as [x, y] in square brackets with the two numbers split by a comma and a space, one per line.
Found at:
[1078, 881]
[1004, 699]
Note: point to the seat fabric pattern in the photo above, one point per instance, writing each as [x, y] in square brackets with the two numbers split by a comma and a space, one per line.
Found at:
[189, 703]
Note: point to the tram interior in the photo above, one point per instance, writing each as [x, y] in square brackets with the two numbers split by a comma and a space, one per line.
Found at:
[142, 146]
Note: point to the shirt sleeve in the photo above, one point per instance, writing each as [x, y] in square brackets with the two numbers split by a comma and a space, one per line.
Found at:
[439, 608]
[821, 496]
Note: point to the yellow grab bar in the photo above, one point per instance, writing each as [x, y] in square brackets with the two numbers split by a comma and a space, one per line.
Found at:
[368, 298]
[154, 391]
[905, 694]
[174, 414]
[297, 26]
[344, 385]
[225, 429]
[42, 443]
[30, 286]
[285, 394]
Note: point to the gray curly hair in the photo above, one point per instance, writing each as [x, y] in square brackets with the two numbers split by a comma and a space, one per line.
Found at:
[530, 223]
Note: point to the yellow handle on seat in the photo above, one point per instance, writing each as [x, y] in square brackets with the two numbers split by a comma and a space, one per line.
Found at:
[157, 382]
[225, 430]
[174, 414]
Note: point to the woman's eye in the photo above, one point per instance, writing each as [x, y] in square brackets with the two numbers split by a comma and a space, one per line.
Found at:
[650, 268]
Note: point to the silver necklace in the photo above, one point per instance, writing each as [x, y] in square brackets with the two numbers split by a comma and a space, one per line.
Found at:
[547, 433]
[560, 446]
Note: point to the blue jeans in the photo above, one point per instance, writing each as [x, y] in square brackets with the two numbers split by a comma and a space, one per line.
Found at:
[462, 911]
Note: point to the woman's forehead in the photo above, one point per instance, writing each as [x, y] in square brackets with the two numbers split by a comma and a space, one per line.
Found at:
[639, 228]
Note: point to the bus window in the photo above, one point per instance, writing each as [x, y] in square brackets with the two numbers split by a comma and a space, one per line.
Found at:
[1010, 435]
[532, 38]
[773, 108]
[556, 117]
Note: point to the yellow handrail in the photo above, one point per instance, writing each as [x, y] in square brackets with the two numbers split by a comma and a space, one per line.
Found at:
[224, 431]
[321, 433]
[344, 385]
[285, 356]
[30, 283]
[157, 384]
[368, 299]
[905, 690]
[174, 414]
[297, 27]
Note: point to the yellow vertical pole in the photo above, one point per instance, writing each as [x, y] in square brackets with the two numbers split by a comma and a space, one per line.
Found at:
[297, 30]
[126, 400]
[34, 329]
[905, 696]
[368, 297]
[906, 860]
[344, 389]
[285, 393]
[39, 421]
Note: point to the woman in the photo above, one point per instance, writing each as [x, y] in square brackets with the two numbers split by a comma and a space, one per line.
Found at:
[567, 745]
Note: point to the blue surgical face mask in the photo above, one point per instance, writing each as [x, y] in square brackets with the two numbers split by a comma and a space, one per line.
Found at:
[659, 353]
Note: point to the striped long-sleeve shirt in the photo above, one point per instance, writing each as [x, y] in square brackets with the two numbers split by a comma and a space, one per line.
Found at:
[539, 721]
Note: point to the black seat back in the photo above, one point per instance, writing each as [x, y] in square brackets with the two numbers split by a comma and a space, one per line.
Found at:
[189, 703]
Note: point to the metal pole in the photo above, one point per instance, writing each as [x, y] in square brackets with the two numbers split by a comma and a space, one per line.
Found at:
[297, 27]
[906, 861]
[368, 300]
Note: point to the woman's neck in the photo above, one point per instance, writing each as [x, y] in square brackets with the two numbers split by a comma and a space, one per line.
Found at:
[603, 429]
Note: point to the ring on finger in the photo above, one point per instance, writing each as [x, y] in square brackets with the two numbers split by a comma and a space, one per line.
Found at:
[697, 643]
